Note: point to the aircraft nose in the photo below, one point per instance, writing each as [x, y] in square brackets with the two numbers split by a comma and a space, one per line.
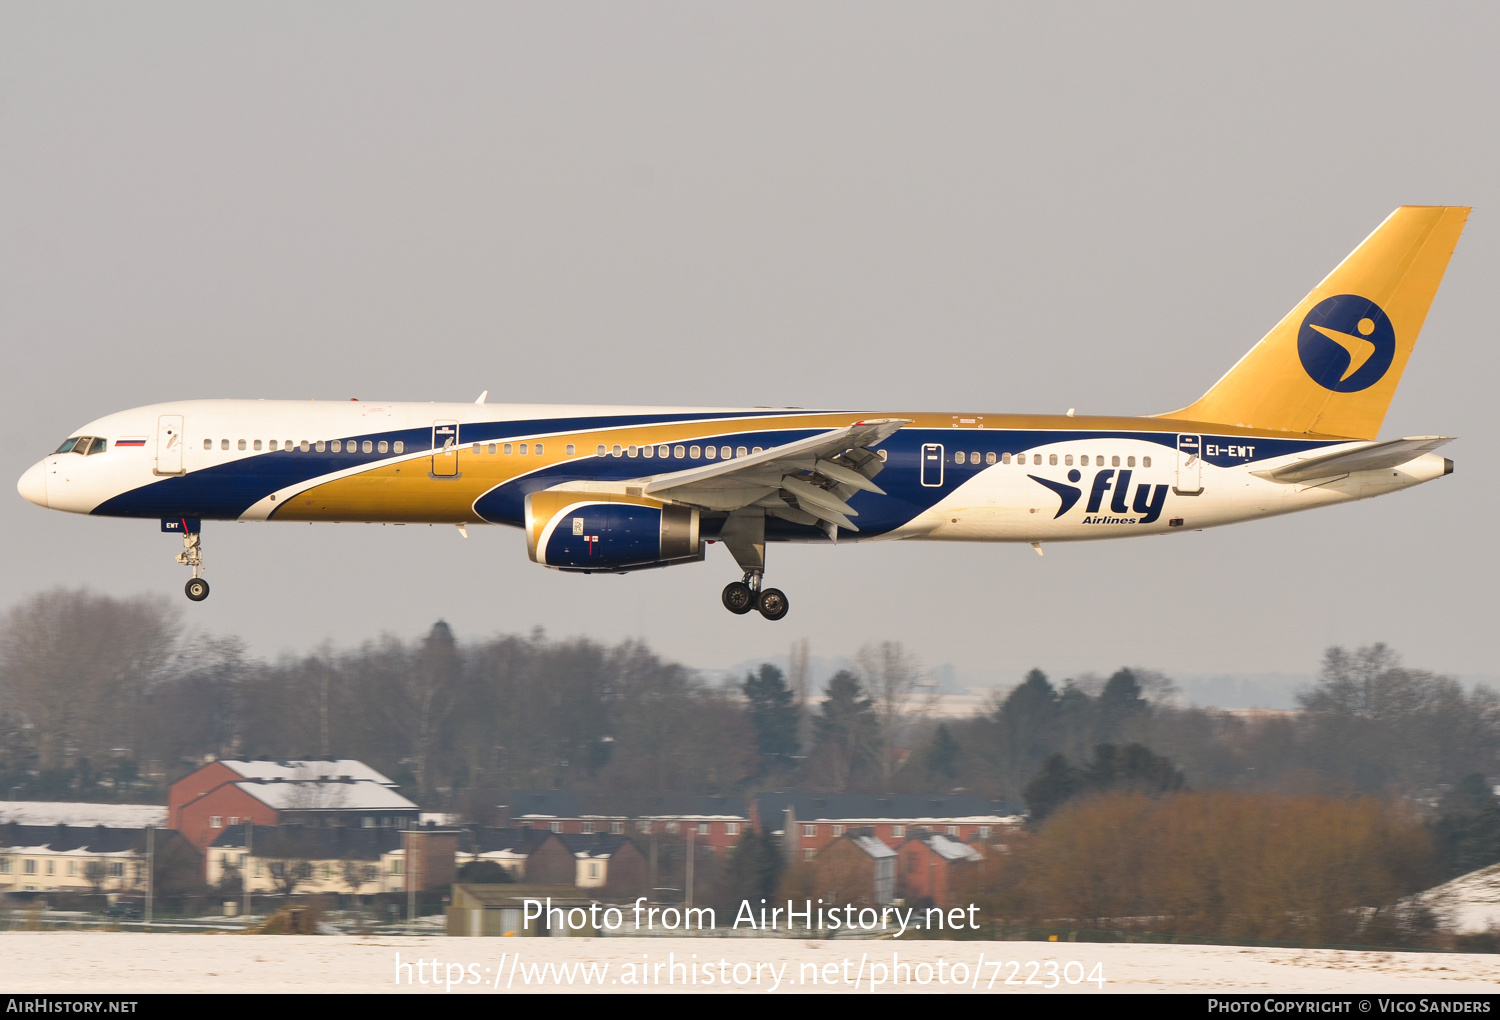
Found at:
[33, 484]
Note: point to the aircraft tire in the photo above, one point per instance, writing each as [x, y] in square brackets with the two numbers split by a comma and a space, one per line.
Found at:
[738, 598]
[196, 589]
[773, 604]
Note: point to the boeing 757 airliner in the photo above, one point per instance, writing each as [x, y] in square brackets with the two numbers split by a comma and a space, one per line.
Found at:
[1293, 425]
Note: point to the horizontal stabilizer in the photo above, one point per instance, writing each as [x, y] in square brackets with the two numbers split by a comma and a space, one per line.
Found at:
[1374, 457]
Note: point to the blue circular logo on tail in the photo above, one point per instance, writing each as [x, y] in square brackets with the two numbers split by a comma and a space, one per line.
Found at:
[1346, 343]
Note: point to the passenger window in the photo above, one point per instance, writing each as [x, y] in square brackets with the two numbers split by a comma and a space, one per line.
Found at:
[600, 451]
[288, 445]
[572, 449]
[257, 444]
[677, 452]
[399, 446]
[521, 450]
[1145, 462]
[648, 452]
[1068, 459]
[740, 451]
[883, 456]
[724, 453]
[474, 449]
[1052, 459]
[492, 449]
[304, 446]
[1114, 462]
[321, 446]
[960, 457]
[538, 450]
[1084, 460]
[755, 449]
[617, 451]
[508, 449]
[989, 458]
[381, 447]
[710, 452]
[335, 446]
[208, 444]
[694, 452]
[974, 457]
[272, 445]
[1005, 458]
[223, 444]
[1130, 462]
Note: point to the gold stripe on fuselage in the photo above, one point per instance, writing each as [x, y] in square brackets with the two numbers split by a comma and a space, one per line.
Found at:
[407, 491]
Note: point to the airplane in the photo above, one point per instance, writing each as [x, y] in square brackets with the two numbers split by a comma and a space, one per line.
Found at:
[611, 489]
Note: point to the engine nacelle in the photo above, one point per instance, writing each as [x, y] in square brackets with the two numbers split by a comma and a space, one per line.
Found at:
[604, 531]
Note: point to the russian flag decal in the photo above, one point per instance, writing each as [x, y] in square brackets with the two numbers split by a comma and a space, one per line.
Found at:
[130, 442]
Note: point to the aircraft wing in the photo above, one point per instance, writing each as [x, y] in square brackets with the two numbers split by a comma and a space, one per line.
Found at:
[1373, 457]
[806, 481]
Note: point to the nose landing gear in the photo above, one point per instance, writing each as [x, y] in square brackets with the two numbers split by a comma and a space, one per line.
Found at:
[192, 556]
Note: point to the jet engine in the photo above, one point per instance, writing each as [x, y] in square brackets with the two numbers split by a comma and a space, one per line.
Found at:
[609, 532]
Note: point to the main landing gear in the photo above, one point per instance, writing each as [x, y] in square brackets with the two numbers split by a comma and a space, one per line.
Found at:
[744, 535]
[192, 556]
[742, 596]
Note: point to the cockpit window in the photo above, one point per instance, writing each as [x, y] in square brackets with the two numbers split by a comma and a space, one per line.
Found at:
[83, 445]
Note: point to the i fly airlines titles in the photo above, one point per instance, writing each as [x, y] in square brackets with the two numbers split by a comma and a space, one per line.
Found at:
[598, 489]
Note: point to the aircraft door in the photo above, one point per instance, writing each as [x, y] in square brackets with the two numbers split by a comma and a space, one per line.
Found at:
[169, 444]
[932, 465]
[1189, 466]
[445, 449]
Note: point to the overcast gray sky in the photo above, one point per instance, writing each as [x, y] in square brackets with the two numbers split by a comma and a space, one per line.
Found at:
[897, 207]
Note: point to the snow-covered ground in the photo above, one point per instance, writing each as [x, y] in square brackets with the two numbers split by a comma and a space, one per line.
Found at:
[125, 962]
[1470, 903]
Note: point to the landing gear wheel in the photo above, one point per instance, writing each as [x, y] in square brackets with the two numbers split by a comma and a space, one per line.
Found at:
[738, 598]
[773, 604]
[197, 589]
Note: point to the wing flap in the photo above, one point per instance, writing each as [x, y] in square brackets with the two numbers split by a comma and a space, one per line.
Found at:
[1374, 457]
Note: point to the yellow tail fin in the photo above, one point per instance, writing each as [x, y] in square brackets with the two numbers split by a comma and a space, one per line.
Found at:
[1331, 366]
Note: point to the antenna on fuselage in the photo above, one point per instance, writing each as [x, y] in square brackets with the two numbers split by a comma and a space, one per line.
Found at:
[482, 396]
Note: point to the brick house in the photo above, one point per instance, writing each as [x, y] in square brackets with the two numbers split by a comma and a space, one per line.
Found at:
[809, 822]
[858, 869]
[317, 793]
[927, 865]
[715, 824]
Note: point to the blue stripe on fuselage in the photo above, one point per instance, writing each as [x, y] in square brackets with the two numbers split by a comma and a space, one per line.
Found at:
[226, 491]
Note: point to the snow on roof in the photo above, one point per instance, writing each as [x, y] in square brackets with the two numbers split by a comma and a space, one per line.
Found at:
[51, 812]
[327, 796]
[1472, 900]
[304, 769]
[952, 849]
[872, 846]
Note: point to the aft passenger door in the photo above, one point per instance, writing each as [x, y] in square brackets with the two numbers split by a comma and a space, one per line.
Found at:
[1189, 466]
[169, 444]
[445, 449]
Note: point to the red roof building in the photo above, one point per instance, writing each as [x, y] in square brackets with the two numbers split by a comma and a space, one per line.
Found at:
[313, 793]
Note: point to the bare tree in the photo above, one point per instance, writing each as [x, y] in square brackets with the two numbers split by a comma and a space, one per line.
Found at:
[95, 872]
[357, 874]
[77, 666]
[894, 680]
